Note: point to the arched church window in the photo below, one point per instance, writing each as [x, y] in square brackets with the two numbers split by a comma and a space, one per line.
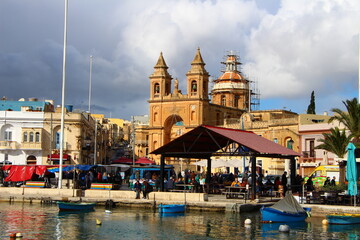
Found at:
[192, 116]
[223, 100]
[155, 116]
[193, 87]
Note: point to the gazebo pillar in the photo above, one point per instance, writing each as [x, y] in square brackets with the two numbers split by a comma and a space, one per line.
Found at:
[292, 173]
[253, 177]
[162, 172]
[208, 174]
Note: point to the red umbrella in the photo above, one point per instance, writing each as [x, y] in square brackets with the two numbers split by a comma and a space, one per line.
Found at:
[144, 160]
[123, 160]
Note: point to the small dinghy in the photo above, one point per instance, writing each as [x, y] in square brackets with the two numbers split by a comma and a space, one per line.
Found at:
[343, 219]
[71, 206]
[285, 210]
[172, 208]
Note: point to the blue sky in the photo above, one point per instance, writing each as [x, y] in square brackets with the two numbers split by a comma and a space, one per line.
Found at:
[290, 48]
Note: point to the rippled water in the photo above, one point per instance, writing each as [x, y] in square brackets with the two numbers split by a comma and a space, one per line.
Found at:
[45, 222]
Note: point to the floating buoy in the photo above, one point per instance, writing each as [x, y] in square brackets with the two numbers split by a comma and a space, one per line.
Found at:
[19, 235]
[284, 228]
[325, 222]
[108, 211]
[247, 221]
[98, 222]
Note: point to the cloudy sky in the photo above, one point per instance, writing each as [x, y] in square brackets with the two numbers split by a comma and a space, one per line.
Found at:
[290, 48]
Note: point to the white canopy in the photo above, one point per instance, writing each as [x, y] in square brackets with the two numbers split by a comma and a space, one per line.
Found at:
[217, 163]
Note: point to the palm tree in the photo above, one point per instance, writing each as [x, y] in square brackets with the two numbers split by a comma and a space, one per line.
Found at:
[351, 118]
[336, 142]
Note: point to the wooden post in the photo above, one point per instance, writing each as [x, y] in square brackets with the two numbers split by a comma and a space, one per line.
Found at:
[208, 174]
[253, 177]
[292, 173]
[162, 172]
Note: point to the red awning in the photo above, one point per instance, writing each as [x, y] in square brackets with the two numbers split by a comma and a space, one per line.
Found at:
[144, 160]
[24, 173]
[56, 157]
[123, 160]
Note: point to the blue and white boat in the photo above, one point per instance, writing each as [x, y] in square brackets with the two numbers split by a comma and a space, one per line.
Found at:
[172, 208]
[71, 206]
[343, 219]
[285, 210]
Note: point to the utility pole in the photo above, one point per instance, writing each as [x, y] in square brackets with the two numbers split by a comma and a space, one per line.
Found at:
[95, 142]
[133, 139]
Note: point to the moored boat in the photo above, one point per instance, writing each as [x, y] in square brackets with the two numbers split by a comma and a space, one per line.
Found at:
[286, 210]
[343, 219]
[172, 208]
[71, 206]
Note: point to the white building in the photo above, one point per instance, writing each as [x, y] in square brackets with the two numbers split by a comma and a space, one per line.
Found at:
[20, 137]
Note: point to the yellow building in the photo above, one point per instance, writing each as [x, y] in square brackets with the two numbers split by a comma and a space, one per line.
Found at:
[280, 126]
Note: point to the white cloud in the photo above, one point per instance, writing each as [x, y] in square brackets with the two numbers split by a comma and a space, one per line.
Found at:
[307, 45]
[291, 47]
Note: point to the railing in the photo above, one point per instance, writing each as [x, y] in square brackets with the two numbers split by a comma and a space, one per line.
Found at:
[141, 142]
[309, 154]
[31, 145]
[8, 145]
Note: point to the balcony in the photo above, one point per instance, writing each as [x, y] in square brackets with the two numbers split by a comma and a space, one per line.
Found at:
[8, 145]
[31, 145]
[308, 156]
[142, 142]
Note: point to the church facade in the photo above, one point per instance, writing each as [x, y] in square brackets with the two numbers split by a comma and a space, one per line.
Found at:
[173, 113]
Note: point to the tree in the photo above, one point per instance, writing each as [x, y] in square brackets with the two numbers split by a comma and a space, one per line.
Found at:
[336, 142]
[351, 118]
[311, 107]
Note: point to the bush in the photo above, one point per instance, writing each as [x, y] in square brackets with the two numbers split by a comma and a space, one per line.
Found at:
[337, 188]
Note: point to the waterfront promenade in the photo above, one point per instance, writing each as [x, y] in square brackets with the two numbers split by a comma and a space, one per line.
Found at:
[194, 201]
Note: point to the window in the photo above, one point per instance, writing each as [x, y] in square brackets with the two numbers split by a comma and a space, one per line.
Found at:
[25, 137]
[37, 137]
[57, 140]
[223, 100]
[217, 118]
[192, 116]
[155, 117]
[31, 137]
[236, 101]
[312, 148]
[8, 135]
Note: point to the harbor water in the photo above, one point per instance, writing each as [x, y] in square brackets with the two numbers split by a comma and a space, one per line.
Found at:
[35, 221]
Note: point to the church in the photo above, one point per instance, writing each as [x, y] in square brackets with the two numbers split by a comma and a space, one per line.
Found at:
[173, 112]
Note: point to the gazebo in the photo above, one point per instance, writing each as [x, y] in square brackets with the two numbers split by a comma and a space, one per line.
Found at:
[205, 141]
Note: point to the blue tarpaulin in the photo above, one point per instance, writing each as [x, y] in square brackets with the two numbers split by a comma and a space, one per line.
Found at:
[351, 170]
[71, 167]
